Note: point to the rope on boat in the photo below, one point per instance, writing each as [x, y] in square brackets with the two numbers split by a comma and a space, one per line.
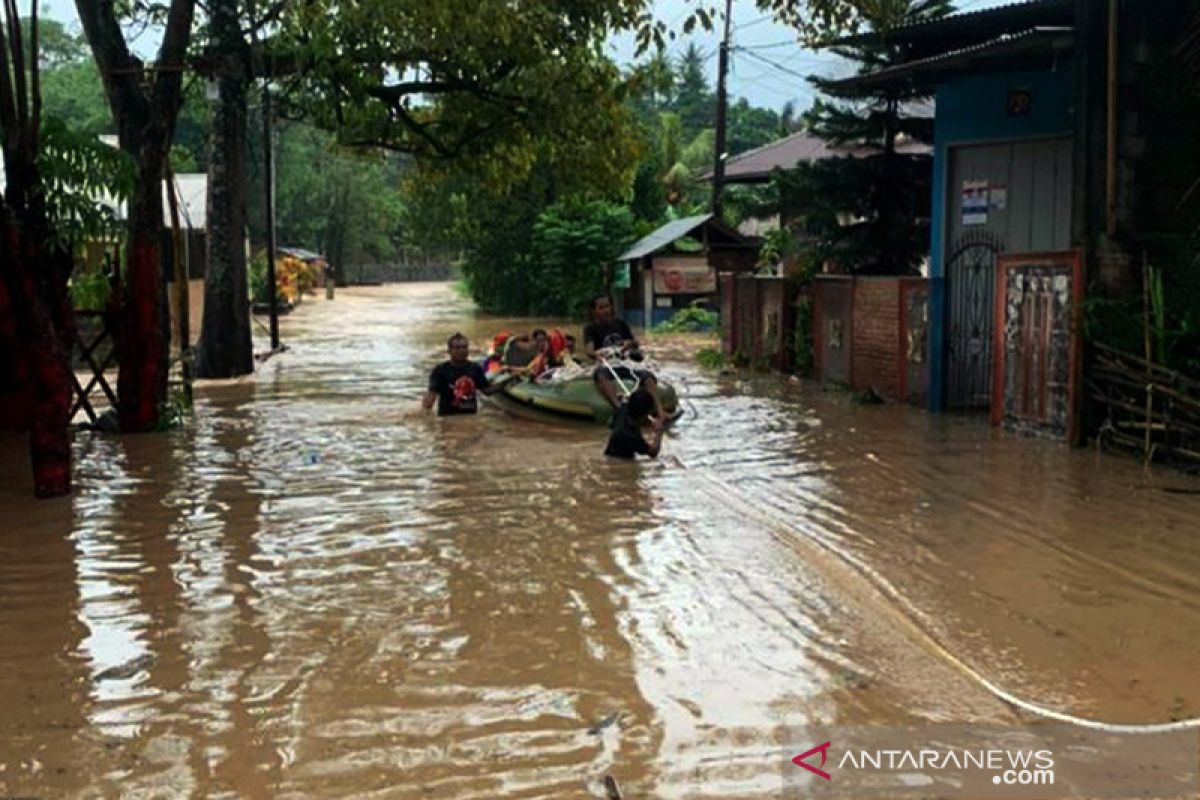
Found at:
[918, 622]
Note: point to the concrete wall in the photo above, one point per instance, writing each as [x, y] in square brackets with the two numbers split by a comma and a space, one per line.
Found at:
[757, 319]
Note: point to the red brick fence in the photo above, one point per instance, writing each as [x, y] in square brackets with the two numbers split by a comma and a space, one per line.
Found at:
[872, 333]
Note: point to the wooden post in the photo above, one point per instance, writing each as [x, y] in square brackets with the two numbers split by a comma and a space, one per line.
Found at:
[1147, 447]
[1110, 188]
[718, 178]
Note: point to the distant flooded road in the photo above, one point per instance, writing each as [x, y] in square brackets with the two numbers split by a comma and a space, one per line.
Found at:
[317, 591]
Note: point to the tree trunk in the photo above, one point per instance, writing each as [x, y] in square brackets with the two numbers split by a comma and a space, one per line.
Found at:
[225, 342]
[50, 438]
[145, 107]
[45, 323]
[144, 359]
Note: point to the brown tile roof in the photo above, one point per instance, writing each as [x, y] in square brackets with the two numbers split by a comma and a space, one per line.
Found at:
[756, 166]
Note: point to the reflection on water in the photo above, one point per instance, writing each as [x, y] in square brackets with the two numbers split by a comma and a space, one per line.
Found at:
[316, 590]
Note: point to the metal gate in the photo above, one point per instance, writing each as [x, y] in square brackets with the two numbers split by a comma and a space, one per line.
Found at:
[1010, 197]
[971, 283]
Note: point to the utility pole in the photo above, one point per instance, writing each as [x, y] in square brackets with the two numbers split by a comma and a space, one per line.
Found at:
[269, 183]
[718, 177]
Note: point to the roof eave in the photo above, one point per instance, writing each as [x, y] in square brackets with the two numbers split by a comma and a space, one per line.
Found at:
[927, 73]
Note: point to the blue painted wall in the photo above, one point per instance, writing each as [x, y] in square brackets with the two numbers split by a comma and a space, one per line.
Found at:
[974, 109]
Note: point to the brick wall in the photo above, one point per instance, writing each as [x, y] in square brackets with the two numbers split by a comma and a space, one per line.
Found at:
[876, 335]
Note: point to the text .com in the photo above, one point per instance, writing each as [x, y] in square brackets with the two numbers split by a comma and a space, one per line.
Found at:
[1024, 777]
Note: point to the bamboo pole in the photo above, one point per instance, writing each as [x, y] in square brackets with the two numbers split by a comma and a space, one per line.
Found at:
[1148, 451]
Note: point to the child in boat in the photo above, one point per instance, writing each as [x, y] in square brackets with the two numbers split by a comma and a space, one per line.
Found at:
[550, 348]
[522, 350]
[626, 439]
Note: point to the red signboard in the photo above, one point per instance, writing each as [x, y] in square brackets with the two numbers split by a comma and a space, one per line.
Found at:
[684, 276]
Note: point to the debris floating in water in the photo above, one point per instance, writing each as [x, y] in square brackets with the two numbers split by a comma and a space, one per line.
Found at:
[123, 672]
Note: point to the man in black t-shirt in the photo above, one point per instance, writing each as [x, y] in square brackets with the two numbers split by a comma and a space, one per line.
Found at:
[604, 331]
[626, 439]
[456, 384]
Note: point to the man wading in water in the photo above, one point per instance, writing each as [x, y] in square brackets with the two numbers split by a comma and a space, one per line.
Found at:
[626, 440]
[455, 384]
[607, 331]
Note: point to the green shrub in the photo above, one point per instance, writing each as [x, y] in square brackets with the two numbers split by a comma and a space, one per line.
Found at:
[256, 277]
[693, 319]
[710, 358]
[549, 262]
[89, 290]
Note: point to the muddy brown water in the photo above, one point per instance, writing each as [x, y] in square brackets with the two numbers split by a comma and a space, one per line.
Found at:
[317, 591]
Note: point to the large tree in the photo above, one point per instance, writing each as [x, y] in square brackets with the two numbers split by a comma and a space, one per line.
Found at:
[884, 187]
[454, 81]
[225, 349]
[145, 102]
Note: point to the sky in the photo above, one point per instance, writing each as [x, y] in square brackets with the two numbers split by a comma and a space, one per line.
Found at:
[769, 72]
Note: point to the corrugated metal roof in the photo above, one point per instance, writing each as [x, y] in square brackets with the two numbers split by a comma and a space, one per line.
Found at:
[662, 237]
[924, 39]
[301, 253]
[193, 195]
[1024, 44]
[1004, 10]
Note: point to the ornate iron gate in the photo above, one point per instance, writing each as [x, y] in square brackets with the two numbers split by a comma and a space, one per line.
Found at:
[971, 277]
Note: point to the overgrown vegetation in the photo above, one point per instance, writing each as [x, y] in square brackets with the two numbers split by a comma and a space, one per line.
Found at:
[693, 319]
[710, 358]
[541, 244]
[90, 289]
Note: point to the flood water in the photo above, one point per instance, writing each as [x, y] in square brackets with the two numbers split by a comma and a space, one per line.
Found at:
[315, 590]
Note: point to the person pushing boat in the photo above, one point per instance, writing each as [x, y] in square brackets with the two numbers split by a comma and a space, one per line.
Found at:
[455, 384]
[627, 439]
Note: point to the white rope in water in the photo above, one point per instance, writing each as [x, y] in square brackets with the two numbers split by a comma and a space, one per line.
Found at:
[919, 622]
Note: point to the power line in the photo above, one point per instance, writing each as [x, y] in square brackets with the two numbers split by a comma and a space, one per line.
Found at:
[771, 46]
[776, 65]
[753, 22]
[798, 56]
[768, 80]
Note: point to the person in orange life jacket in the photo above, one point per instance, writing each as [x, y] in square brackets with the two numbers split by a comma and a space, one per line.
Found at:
[494, 360]
[626, 439]
[455, 384]
[604, 330]
[550, 353]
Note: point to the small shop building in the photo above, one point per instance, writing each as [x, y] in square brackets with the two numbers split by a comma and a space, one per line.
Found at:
[676, 266]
